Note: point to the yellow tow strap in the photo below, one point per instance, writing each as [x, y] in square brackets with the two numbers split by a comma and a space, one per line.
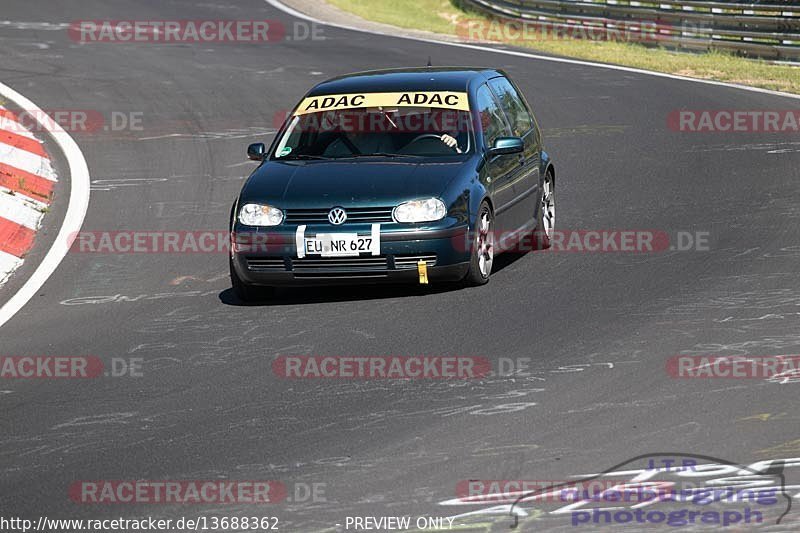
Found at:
[422, 268]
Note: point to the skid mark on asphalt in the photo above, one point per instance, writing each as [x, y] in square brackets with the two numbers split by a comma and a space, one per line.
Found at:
[791, 447]
[114, 184]
[242, 164]
[33, 26]
[240, 133]
[183, 279]
[772, 148]
[218, 277]
[787, 251]
[747, 347]
[247, 342]
[769, 316]
[108, 418]
[764, 302]
[763, 417]
[588, 129]
[180, 209]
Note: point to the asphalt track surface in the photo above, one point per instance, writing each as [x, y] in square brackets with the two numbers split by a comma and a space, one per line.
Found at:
[209, 406]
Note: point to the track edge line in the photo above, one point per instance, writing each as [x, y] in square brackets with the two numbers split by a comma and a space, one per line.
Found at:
[76, 209]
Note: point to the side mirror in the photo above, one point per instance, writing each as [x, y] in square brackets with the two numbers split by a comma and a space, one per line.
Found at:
[257, 151]
[506, 145]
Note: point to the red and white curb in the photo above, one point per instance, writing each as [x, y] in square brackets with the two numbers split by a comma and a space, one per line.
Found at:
[27, 179]
[25, 169]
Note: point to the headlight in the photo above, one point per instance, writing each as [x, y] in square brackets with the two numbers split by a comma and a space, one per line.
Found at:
[420, 211]
[260, 215]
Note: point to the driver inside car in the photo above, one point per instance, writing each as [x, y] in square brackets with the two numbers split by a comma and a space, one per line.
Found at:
[381, 130]
[450, 141]
[449, 138]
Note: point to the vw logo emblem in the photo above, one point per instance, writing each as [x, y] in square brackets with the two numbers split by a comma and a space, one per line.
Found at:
[337, 216]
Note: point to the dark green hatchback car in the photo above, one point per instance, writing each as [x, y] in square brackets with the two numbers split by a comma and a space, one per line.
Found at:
[413, 175]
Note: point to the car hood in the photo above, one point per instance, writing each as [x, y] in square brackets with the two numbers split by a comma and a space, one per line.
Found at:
[324, 184]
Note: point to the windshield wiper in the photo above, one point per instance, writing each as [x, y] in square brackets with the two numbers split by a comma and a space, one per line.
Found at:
[303, 157]
[377, 154]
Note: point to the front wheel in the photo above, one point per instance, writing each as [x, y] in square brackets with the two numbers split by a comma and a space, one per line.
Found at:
[482, 256]
[244, 291]
[546, 218]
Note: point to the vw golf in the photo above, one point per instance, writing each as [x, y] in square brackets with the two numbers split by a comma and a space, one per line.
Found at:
[393, 176]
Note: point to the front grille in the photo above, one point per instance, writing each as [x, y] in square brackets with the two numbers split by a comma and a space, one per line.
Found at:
[266, 264]
[332, 267]
[341, 264]
[367, 266]
[360, 215]
[404, 262]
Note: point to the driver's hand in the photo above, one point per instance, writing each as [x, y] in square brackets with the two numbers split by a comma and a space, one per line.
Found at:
[450, 141]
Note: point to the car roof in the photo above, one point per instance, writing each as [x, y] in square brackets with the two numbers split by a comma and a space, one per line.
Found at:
[407, 79]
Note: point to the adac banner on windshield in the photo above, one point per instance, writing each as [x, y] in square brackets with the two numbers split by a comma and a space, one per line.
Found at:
[333, 102]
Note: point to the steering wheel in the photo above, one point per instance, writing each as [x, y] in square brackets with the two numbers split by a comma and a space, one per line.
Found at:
[430, 136]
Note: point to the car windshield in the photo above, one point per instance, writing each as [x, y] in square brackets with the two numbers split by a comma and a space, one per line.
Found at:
[377, 132]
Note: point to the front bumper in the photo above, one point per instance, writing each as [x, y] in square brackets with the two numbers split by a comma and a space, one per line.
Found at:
[269, 257]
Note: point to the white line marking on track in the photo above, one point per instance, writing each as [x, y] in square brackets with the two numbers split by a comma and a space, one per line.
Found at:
[8, 264]
[38, 204]
[293, 12]
[27, 161]
[20, 212]
[76, 210]
[38, 26]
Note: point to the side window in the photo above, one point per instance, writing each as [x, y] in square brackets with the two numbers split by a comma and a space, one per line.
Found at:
[518, 115]
[492, 121]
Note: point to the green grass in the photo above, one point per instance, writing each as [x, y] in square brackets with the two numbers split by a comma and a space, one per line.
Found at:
[428, 15]
[442, 16]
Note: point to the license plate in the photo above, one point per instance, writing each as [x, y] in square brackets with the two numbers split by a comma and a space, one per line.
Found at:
[338, 245]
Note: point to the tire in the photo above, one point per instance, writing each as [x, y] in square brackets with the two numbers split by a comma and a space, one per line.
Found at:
[546, 217]
[248, 293]
[482, 248]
